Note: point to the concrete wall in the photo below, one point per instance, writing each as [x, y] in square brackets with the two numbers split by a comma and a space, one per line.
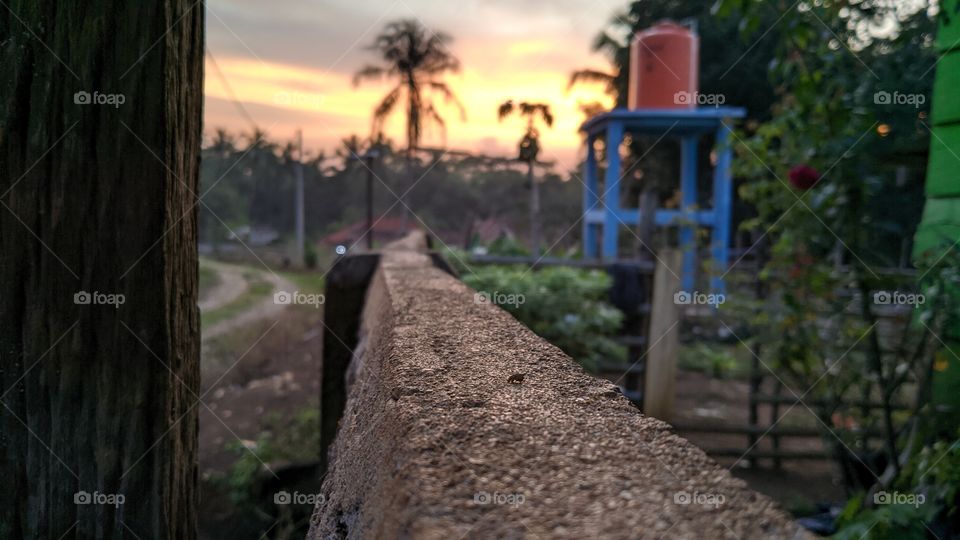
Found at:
[435, 442]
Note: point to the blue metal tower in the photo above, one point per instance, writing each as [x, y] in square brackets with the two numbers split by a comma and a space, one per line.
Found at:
[602, 211]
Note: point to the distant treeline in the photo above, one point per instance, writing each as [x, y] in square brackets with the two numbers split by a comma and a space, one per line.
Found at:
[248, 180]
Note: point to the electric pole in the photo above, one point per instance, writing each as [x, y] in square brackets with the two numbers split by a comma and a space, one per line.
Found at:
[298, 171]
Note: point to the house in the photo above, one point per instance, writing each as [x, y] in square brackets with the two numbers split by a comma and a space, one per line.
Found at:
[385, 229]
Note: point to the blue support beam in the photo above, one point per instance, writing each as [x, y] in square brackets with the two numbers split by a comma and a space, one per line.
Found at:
[661, 217]
[688, 203]
[722, 202]
[591, 201]
[611, 190]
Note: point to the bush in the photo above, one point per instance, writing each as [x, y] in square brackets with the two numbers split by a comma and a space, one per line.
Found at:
[310, 257]
[566, 306]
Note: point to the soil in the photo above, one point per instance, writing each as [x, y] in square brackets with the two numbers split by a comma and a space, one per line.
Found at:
[259, 371]
[230, 285]
[265, 308]
[797, 485]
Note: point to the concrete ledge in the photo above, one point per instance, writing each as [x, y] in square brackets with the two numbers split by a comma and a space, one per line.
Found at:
[436, 443]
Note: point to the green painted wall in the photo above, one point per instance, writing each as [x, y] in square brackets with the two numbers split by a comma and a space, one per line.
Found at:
[939, 229]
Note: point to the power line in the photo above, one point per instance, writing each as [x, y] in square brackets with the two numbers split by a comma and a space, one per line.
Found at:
[226, 85]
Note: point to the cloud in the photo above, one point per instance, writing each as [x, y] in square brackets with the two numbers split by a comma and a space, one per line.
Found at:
[290, 62]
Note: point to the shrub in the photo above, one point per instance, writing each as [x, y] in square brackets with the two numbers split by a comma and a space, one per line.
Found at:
[565, 306]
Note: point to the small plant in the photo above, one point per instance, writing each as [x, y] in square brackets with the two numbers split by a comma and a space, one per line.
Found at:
[567, 307]
[295, 441]
[310, 257]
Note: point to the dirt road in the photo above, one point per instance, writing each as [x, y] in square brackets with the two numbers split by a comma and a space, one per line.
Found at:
[263, 309]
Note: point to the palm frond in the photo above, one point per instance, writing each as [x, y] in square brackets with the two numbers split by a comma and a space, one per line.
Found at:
[590, 76]
[448, 96]
[607, 44]
[431, 113]
[505, 109]
[383, 110]
[368, 72]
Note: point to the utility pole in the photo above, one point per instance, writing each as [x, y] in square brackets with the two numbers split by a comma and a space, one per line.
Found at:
[534, 210]
[369, 158]
[301, 229]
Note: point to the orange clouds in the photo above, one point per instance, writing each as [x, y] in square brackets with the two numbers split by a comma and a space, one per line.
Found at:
[327, 107]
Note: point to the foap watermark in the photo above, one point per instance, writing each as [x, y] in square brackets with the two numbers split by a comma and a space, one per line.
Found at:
[109, 499]
[97, 98]
[499, 298]
[897, 98]
[285, 497]
[897, 298]
[704, 499]
[697, 298]
[696, 98]
[509, 499]
[298, 99]
[285, 298]
[97, 298]
[896, 497]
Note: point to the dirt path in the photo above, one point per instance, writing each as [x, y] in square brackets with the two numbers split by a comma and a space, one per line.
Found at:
[265, 308]
[230, 285]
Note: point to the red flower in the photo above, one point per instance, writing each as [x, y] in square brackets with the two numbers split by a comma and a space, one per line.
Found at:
[803, 177]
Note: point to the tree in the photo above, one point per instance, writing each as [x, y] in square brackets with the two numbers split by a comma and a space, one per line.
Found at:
[100, 129]
[529, 149]
[851, 161]
[728, 66]
[417, 58]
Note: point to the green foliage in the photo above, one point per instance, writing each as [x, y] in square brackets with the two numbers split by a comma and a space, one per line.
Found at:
[828, 68]
[714, 359]
[888, 522]
[819, 323]
[293, 441]
[310, 256]
[565, 306]
[933, 473]
[507, 246]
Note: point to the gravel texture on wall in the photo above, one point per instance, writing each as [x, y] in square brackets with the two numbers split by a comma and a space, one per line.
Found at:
[461, 423]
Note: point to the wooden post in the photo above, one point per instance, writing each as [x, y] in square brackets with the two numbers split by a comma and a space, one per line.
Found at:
[101, 109]
[346, 290]
[756, 379]
[645, 225]
[774, 417]
[664, 337]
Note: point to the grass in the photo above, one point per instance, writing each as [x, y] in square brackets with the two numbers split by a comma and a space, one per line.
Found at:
[208, 279]
[716, 359]
[307, 282]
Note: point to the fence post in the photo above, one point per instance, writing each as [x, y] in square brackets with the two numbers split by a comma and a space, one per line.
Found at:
[664, 337]
[756, 379]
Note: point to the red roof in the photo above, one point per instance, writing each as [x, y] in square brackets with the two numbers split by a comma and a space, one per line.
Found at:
[385, 228]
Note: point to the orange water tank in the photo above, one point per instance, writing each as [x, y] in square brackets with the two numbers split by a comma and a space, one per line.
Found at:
[664, 67]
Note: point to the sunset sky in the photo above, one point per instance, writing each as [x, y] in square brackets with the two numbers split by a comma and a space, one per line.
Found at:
[290, 62]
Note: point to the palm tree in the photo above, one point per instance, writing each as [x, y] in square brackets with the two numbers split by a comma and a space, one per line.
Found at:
[617, 52]
[416, 58]
[529, 149]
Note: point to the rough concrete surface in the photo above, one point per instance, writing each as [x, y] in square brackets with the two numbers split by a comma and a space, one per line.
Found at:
[436, 443]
